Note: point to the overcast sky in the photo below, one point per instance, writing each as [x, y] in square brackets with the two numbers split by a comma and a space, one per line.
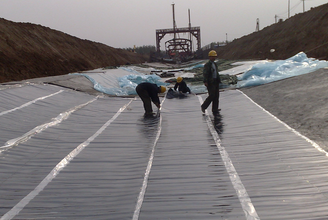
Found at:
[125, 23]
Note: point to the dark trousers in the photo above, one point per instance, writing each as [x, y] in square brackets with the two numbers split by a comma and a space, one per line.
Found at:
[184, 90]
[143, 94]
[213, 97]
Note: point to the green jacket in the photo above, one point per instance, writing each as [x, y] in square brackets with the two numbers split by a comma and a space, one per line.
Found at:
[207, 73]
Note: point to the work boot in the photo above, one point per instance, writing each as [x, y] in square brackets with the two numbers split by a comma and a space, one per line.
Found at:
[215, 113]
[149, 114]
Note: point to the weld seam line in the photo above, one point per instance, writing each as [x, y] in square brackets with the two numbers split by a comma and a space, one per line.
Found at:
[59, 167]
[38, 129]
[241, 192]
[314, 144]
[147, 172]
[29, 103]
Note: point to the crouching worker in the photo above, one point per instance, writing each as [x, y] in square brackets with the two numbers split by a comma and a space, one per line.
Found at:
[182, 86]
[148, 92]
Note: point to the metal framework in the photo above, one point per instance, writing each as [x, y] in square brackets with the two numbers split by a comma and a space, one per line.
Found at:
[178, 49]
[178, 42]
[179, 45]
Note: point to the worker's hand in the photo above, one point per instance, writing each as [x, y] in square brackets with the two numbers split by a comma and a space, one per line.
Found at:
[205, 84]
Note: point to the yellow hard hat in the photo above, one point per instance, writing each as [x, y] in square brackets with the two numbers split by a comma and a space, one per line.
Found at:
[179, 79]
[163, 89]
[212, 53]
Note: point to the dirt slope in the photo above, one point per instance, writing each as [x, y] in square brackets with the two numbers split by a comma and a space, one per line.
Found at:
[30, 51]
[305, 32]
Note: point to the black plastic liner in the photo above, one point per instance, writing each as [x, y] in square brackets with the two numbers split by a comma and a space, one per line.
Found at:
[91, 157]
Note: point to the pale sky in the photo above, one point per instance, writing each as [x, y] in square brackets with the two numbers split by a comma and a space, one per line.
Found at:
[125, 23]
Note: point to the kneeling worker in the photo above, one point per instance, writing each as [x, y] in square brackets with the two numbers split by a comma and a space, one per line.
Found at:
[148, 92]
[182, 85]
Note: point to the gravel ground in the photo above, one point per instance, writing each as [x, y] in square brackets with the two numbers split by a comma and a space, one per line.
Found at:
[301, 102]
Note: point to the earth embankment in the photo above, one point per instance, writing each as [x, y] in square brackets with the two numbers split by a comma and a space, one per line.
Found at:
[305, 32]
[30, 51]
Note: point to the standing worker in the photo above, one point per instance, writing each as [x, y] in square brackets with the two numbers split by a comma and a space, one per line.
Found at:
[182, 85]
[148, 92]
[211, 81]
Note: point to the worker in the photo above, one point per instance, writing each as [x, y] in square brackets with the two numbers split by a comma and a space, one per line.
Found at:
[211, 81]
[148, 92]
[182, 85]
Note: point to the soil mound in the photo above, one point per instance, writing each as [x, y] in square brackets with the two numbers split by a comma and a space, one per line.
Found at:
[305, 32]
[30, 51]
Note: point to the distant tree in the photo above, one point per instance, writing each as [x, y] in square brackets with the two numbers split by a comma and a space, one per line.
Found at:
[146, 49]
[215, 45]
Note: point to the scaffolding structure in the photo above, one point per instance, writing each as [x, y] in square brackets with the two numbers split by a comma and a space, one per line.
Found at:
[178, 47]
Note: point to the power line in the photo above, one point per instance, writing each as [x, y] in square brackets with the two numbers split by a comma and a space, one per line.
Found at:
[290, 9]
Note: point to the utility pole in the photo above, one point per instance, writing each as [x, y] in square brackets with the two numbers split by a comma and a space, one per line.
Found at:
[174, 29]
[303, 5]
[190, 36]
[288, 8]
[257, 25]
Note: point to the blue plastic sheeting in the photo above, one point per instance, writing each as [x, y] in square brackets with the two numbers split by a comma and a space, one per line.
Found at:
[241, 67]
[200, 64]
[123, 81]
[262, 73]
[121, 84]
[128, 84]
